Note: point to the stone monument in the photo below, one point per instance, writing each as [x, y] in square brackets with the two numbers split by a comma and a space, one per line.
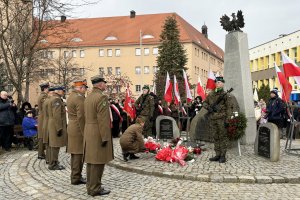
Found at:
[267, 142]
[237, 71]
[166, 128]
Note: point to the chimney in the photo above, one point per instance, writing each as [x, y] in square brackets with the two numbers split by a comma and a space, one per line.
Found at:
[63, 18]
[204, 30]
[132, 14]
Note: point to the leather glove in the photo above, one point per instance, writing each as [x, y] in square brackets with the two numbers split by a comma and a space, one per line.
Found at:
[60, 133]
[226, 124]
[104, 144]
[210, 110]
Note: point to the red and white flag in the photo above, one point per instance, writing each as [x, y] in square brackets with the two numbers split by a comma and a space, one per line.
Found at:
[127, 104]
[211, 81]
[168, 89]
[200, 90]
[187, 87]
[290, 68]
[286, 87]
[176, 91]
[161, 110]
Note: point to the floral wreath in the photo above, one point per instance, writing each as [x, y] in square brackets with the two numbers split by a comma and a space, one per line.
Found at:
[236, 126]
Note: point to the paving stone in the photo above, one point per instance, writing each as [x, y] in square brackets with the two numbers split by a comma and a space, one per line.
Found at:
[246, 179]
[278, 179]
[263, 179]
[216, 178]
[230, 179]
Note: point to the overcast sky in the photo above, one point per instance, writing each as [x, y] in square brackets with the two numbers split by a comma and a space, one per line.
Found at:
[265, 20]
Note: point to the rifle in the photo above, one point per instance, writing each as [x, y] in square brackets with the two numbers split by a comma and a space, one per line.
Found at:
[214, 107]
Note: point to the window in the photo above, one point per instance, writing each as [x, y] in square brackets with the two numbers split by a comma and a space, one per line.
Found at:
[155, 51]
[109, 70]
[73, 71]
[146, 70]
[155, 69]
[82, 54]
[74, 53]
[146, 51]
[137, 51]
[137, 70]
[111, 38]
[101, 52]
[118, 52]
[49, 72]
[101, 71]
[109, 52]
[42, 72]
[10, 88]
[66, 54]
[137, 88]
[118, 71]
[81, 71]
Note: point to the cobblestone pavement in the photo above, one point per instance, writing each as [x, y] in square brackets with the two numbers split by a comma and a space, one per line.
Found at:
[248, 168]
[22, 176]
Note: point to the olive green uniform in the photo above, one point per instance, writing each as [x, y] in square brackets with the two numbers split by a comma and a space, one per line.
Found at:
[41, 146]
[145, 107]
[75, 130]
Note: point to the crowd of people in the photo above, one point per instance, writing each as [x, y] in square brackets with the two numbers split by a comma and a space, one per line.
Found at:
[87, 124]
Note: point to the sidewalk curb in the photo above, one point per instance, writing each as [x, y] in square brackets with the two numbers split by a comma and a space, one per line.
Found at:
[214, 178]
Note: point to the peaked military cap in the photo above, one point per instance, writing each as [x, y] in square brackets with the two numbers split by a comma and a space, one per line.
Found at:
[220, 78]
[97, 79]
[59, 87]
[44, 85]
[79, 82]
[146, 87]
[51, 88]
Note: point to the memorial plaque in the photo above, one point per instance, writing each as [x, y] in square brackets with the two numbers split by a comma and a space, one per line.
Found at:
[166, 129]
[267, 142]
[264, 142]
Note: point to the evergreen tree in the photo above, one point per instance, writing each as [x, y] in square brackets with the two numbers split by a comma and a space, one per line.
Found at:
[264, 92]
[172, 57]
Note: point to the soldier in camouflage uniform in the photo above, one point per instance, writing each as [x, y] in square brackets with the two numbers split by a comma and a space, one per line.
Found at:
[217, 118]
[145, 106]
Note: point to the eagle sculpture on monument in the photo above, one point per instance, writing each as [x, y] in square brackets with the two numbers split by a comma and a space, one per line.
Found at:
[235, 24]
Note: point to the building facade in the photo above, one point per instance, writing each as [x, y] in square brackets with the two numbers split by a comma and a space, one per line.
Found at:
[263, 57]
[128, 45]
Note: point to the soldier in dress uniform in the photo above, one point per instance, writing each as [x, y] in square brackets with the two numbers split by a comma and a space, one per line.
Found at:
[217, 118]
[75, 130]
[41, 100]
[97, 146]
[145, 106]
[57, 126]
[45, 123]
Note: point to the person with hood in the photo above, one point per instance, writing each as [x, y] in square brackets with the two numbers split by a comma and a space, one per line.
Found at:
[132, 140]
[29, 126]
[275, 111]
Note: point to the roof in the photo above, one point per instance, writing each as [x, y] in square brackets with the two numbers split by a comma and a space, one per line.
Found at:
[124, 30]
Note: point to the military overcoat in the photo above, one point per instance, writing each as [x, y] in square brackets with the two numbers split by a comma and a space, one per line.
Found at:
[57, 121]
[41, 100]
[75, 129]
[97, 129]
[45, 129]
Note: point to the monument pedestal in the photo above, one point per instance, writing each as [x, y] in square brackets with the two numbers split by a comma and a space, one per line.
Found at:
[237, 75]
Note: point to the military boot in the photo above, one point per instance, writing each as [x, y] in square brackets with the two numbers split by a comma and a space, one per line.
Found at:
[216, 158]
[125, 155]
[222, 159]
[133, 157]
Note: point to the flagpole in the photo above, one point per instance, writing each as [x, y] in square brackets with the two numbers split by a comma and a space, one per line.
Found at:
[141, 46]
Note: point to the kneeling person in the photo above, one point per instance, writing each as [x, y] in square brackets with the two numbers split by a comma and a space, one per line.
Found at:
[132, 140]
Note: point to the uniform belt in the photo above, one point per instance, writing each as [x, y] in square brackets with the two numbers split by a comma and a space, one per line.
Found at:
[91, 122]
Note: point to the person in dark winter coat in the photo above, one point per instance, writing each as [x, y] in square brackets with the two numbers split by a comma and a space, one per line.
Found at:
[275, 111]
[7, 120]
[196, 106]
[29, 126]
[116, 112]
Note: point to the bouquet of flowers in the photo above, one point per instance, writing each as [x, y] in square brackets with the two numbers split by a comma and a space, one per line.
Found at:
[151, 145]
[236, 126]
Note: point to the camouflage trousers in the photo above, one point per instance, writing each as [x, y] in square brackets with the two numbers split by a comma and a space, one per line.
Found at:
[147, 130]
[219, 132]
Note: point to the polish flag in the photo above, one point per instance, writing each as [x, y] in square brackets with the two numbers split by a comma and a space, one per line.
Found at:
[290, 68]
[211, 81]
[200, 90]
[128, 105]
[286, 87]
[168, 89]
[187, 88]
[176, 91]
